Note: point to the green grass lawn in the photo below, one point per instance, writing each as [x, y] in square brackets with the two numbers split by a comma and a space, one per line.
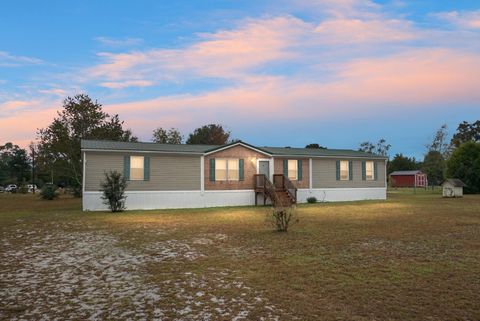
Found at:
[413, 257]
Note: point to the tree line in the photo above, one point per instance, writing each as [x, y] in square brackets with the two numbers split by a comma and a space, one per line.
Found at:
[458, 157]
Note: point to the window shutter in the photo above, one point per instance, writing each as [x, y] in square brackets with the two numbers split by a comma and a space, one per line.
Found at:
[338, 170]
[285, 167]
[146, 168]
[126, 167]
[299, 170]
[350, 170]
[375, 171]
[212, 169]
[241, 174]
[364, 171]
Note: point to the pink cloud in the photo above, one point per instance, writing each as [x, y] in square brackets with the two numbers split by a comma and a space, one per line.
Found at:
[9, 60]
[13, 105]
[365, 31]
[126, 84]
[54, 91]
[416, 79]
[466, 19]
[19, 120]
[224, 54]
[235, 54]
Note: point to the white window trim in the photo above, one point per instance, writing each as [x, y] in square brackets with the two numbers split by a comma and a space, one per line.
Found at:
[296, 169]
[372, 178]
[348, 170]
[143, 169]
[226, 168]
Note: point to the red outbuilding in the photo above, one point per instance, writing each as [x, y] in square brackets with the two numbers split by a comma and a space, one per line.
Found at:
[408, 179]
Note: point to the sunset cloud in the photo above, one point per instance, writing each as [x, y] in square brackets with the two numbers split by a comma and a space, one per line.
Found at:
[19, 120]
[54, 91]
[126, 84]
[124, 42]
[415, 79]
[365, 31]
[237, 53]
[466, 19]
[9, 60]
[225, 54]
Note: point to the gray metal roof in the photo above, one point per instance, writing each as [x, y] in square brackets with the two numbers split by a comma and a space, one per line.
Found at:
[406, 173]
[200, 149]
[312, 152]
[138, 146]
[455, 182]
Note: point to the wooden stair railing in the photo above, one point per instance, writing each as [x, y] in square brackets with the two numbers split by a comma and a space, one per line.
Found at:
[283, 183]
[266, 188]
[281, 192]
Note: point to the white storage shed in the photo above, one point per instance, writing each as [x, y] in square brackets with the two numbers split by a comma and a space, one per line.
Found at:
[453, 187]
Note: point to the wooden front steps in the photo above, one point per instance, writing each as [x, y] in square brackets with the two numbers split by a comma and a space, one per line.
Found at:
[281, 192]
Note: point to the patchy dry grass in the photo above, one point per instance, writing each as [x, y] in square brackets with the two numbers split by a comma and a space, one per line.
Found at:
[413, 257]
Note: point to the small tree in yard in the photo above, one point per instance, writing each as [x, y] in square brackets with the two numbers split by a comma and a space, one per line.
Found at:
[49, 192]
[281, 215]
[113, 188]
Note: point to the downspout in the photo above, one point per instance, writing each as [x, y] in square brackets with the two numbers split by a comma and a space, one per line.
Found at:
[202, 174]
[83, 174]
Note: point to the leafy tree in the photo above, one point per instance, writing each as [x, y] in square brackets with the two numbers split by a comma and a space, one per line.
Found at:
[402, 163]
[81, 118]
[14, 164]
[161, 136]
[464, 164]
[381, 148]
[440, 141]
[113, 188]
[212, 134]
[434, 166]
[315, 146]
[466, 132]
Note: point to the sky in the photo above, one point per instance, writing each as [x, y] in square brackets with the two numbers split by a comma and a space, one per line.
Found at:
[274, 73]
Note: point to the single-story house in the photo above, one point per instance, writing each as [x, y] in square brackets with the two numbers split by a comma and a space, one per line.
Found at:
[415, 178]
[453, 187]
[190, 176]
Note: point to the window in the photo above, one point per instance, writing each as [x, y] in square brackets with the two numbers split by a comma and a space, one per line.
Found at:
[369, 175]
[226, 169]
[344, 171]
[221, 169]
[233, 169]
[292, 169]
[136, 168]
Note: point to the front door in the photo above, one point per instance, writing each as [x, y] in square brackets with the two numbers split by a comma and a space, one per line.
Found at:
[264, 168]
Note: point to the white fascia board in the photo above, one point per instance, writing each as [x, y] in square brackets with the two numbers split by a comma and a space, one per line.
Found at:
[237, 144]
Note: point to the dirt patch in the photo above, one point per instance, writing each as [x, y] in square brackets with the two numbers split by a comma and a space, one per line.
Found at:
[87, 275]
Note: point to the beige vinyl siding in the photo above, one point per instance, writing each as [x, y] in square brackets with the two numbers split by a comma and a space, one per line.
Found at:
[324, 174]
[167, 172]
